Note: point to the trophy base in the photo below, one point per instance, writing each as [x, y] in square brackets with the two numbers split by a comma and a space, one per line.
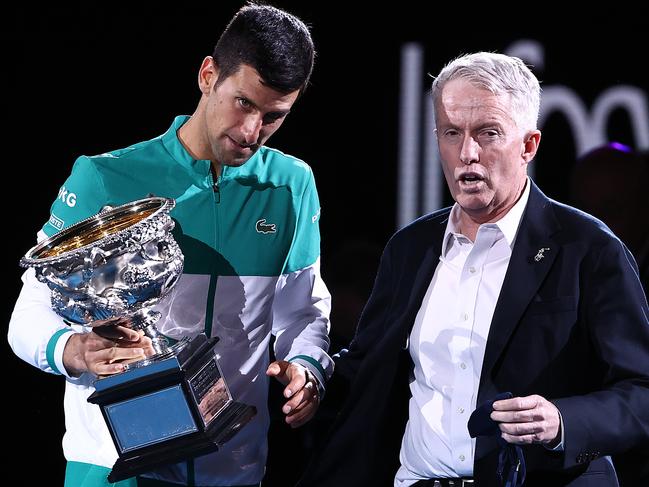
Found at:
[161, 354]
[230, 420]
[170, 410]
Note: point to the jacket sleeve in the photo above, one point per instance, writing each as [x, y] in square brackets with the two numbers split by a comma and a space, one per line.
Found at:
[302, 302]
[36, 333]
[616, 417]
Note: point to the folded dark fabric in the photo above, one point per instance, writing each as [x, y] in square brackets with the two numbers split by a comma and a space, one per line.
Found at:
[511, 462]
[480, 422]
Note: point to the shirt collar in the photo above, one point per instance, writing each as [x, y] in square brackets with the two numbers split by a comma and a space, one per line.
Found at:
[508, 224]
[177, 150]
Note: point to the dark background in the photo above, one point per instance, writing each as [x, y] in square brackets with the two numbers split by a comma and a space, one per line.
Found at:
[84, 79]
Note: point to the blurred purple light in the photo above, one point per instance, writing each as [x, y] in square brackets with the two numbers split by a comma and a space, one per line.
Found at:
[619, 146]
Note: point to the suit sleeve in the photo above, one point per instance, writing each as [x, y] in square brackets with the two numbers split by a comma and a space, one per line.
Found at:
[616, 417]
[36, 333]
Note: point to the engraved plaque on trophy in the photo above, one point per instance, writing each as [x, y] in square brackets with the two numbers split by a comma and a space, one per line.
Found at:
[119, 263]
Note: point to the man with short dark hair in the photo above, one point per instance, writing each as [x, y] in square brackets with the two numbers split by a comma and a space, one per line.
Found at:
[247, 221]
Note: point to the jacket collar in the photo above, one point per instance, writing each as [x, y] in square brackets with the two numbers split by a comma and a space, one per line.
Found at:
[197, 169]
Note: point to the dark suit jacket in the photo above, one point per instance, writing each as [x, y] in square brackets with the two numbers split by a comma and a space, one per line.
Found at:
[571, 326]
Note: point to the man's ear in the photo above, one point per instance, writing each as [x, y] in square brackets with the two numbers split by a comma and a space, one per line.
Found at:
[531, 145]
[207, 75]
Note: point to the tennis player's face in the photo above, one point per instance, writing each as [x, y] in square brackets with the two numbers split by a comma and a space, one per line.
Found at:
[241, 114]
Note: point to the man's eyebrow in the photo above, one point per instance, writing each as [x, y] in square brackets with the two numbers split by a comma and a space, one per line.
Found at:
[274, 113]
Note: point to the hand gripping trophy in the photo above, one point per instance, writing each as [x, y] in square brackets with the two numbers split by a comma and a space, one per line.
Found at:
[118, 264]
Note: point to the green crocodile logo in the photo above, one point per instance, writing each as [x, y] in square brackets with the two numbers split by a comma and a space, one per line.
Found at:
[262, 227]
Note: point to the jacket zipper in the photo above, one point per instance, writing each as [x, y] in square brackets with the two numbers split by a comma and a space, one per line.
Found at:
[216, 189]
[209, 312]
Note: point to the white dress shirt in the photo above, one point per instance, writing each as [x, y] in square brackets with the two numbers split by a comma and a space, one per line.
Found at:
[447, 346]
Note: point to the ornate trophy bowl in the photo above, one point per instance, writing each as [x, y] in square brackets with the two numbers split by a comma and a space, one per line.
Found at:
[118, 264]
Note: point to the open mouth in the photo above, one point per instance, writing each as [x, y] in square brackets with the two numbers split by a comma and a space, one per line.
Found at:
[470, 178]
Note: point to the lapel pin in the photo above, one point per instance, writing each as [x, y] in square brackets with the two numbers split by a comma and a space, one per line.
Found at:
[540, 254]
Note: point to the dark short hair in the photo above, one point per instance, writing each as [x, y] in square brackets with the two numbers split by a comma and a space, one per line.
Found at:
[275, 43]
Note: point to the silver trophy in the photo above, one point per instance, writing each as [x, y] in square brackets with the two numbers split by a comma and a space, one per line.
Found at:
[118, 263]
[114, 267]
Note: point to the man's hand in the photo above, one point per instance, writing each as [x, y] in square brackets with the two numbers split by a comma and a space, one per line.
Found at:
[105, 350]
[529, 419]
[301, 390]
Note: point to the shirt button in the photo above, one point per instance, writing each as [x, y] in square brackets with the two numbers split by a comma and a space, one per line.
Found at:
[463, 366]
[460, 410]
[465, 316]
[472, 270]
[462, 458]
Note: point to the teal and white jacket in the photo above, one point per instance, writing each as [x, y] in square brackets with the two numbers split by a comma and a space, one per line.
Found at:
[252, 248]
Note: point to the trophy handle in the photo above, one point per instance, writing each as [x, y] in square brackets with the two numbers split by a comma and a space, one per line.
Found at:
[93, 259]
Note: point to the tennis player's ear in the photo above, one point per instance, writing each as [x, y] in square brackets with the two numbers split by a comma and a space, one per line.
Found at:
[208, 74]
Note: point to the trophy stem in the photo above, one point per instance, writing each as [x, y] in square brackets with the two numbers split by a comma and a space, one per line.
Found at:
[159, 341]
[145, 320]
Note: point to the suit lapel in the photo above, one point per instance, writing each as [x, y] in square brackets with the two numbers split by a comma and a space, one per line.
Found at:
[425, 271]
[533, 254]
